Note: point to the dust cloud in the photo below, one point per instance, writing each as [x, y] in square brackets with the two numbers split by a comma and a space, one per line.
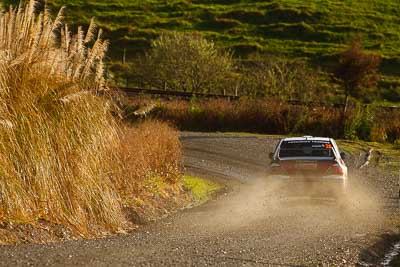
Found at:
[260, 202]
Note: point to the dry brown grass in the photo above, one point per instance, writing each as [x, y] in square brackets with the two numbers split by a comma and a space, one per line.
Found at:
[150, 150]
[278, 117]
[250, 115]
[62, 152]
[151, 181]
[58, 139]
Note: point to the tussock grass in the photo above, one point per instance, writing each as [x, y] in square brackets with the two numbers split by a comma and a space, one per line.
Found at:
[58, 139]
[61, 149]
[150, 150]
[149, 181]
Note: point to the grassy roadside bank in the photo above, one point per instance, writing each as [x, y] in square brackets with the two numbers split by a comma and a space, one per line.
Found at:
[156, 200]
[69, 168]
[146, 180]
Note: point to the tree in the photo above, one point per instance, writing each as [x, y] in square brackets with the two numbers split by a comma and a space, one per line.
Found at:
[280, 78]
[186, 62]
[357, 71]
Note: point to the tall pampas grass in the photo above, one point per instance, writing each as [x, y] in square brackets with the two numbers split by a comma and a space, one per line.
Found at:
[58, 139]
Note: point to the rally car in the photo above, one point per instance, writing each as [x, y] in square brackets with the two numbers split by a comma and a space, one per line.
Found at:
[309, 164]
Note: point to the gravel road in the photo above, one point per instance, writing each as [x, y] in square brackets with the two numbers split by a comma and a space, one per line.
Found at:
[246, 226]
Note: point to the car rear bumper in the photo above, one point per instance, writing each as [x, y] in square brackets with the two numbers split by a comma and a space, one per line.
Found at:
[327, 178]
[332, 185]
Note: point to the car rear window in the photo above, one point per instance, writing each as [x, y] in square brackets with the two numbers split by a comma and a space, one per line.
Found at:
[306, 148]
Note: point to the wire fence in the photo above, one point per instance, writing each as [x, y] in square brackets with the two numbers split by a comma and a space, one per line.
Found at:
[135, 91]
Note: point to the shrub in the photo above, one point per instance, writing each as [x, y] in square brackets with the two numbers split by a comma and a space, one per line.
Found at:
[185, 62]
[262, 115]
[274, 116]
[397, 143]
[378, 134]
[357, 71]
[279, 78]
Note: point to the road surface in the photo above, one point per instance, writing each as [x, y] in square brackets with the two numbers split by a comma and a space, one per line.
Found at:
[245, 226]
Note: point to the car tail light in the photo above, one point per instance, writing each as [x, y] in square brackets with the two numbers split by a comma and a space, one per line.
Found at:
[335, 169]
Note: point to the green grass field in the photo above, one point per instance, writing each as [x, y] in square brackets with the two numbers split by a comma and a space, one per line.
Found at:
[313, 29]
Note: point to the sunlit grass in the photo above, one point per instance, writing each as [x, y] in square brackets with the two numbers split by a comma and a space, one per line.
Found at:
[201, 189]
[302, 27]
[313, 30]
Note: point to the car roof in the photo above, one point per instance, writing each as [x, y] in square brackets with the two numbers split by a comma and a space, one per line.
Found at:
[308, 138]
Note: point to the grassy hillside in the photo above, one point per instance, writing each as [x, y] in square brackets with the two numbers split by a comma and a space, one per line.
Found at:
[312, 29]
